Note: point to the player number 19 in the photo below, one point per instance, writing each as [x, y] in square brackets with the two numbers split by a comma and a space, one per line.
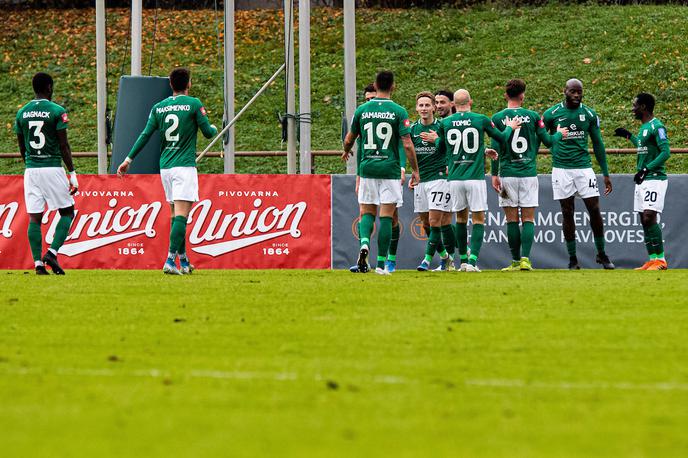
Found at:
[383, 132]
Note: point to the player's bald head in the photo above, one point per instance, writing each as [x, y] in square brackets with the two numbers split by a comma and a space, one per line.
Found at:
[574, 82]
[462, 98]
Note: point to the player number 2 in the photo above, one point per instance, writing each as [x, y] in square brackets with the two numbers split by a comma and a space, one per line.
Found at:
[35, 127]
[519, 145]
[456, 137]
[170, 134]
[383, 131]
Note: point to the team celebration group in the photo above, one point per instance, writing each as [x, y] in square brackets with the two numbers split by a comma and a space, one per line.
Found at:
[445, 150]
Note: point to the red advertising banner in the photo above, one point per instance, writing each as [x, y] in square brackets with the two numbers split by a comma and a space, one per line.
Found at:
[240, 222]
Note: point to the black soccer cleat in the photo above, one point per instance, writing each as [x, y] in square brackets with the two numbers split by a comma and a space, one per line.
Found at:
[362, 262]
[573, 263]
[603, 259]
[51, 260]
[41, 270]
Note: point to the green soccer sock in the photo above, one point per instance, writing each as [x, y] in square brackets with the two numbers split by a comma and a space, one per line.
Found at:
[648, 242]
[477, 240]
[462, 240]
[61, 232]
[433, 240]
[365, 228]
[384, 237]
[654, 234]
[182, 248]
[177, 234]
[35, 240]
[527, 238]
[599, 244]
[449, 239]
[513, 235]
[571, 247]
[394, 243]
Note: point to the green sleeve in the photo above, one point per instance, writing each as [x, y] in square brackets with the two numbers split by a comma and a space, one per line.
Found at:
[404, 122]
[495, 144]
[151, 127]
[402, 154]
[494, 133]
[664, 150]
[634, 140]
[544, 136]
[62, 119]
[598, 146]
[202, 121]
[355, 124]
[547, 121]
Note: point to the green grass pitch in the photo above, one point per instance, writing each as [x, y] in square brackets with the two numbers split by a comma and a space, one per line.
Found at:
[302, 363]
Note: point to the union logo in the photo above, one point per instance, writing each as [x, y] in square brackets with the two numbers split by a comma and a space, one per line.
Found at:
[417, 229]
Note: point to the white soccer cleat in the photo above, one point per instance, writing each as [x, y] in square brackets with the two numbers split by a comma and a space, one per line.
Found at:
[472, 268]
[464, 267]
[170, 268]
[380, 271]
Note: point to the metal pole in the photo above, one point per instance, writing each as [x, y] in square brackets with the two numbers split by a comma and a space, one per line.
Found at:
[136, 12]
[234, 119]
[291, 97]
[101, 88]
[229, 84]
[305, 86]
[350, 70]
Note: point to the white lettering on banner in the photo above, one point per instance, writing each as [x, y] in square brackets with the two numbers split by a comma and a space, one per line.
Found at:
[105, 193]
[7, 212]
[247, 194]
[206, 227]
[100, 226]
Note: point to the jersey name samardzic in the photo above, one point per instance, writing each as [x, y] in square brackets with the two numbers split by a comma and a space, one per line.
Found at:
[38, 121]
[652, 141]
[518, 154]
[432, 162]
[379, 124]
[178, 119]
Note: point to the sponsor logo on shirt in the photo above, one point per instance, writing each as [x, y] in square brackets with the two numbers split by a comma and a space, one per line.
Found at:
[581, 117]
[203, 112]
[661, 132]
[65, 118]
[407, 122]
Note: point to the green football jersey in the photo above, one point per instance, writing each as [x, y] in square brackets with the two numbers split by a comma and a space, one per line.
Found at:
[380, 123]
[653, 149]
[518, 154]
[432, 161]
[461, 137]
[572, 152]
[178, 119]
[38, 122]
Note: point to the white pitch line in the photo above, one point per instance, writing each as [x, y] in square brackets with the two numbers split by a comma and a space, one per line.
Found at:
[376, 379]
[517, 383]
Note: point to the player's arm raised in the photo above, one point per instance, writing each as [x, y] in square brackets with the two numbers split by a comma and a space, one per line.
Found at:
[625, 133]
[151, 127]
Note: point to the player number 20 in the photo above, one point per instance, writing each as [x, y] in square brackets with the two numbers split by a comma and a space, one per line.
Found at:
[383, 131]
[170, 134]
[470, 138]
[650, 196]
